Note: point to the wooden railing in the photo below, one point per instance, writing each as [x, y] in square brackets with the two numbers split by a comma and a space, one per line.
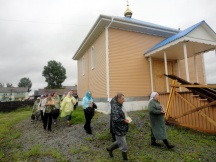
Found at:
[189, 110]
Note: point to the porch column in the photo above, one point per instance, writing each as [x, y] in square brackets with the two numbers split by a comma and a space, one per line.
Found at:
[186, 62]
[179, 72]
[166, 71]
[195, 68]
[151, 75]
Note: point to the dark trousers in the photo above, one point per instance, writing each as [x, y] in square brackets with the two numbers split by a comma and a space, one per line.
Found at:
[87, 126]
[47, 120]
[55, 114]
[41, 113]
[75, 106]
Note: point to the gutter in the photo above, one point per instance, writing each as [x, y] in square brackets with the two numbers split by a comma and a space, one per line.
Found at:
[107, 59]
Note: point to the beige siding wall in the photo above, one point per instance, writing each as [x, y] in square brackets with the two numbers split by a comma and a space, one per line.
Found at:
[93, 79]
[129, 69]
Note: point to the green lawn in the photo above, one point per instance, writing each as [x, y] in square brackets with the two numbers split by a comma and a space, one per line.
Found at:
[191, 146]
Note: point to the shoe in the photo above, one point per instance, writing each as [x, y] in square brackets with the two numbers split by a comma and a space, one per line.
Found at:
[111, 148]
[124, 155]
[168, 145]
[153, 142]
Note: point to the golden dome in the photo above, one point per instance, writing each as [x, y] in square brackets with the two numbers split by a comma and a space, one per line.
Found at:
[128, 12]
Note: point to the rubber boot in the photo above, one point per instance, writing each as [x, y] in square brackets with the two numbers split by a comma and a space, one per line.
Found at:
[167, 144]
[111, 148]
[153, 142]
[124, 155]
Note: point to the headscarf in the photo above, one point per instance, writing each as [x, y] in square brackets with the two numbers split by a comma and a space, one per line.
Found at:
[86, 100]
[153, 94]
[88, 96]
[68, 94]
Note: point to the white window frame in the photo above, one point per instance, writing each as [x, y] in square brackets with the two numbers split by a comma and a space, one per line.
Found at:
[83, 65]
[92, 58]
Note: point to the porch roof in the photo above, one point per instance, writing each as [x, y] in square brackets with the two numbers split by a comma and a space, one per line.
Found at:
[199, 38]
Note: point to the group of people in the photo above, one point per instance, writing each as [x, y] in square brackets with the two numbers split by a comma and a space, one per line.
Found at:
[119, 119]
[119, 124]
[50, 107]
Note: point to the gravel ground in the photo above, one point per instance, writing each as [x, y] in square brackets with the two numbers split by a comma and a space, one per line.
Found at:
[72, 142]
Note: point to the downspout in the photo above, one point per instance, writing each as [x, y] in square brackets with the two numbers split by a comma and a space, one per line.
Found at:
[107, 59]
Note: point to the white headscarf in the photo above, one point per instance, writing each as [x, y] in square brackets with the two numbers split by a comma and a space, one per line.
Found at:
[153, 94]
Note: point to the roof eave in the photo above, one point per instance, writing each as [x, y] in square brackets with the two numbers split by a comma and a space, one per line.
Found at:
[104, 20]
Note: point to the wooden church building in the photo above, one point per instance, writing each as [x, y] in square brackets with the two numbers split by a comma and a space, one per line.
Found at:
[123, 54]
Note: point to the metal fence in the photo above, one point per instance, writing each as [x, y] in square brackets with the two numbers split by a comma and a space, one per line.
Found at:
[13, 105]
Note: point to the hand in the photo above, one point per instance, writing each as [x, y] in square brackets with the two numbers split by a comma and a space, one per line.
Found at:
[163, 112]
[126, 121]
[90, 104]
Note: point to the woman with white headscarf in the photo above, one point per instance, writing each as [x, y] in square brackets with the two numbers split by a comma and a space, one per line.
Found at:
[157, 121]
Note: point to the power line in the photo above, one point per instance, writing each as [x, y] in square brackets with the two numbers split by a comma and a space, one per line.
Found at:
[39, 22]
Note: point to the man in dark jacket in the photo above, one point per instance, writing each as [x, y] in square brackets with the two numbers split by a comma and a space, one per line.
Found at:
[119, 126]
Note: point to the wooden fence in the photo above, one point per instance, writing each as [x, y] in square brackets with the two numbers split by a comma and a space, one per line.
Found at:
[188, 110]
[13, 105]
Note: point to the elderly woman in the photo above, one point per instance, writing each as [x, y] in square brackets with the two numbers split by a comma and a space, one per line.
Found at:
[57, 106]
[157, 121]
[88, 107]
[67, 106]
[48, 112]
[35, 110]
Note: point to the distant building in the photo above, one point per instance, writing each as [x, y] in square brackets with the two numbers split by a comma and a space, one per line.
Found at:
[13, 94]
[60, 92]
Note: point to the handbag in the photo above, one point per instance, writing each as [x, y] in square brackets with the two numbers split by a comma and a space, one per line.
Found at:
[54, 110]
[32, 117]
[91, 110]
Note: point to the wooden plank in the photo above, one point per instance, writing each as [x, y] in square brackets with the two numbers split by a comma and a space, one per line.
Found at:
[196, 109]
[169, 103]
[192, 86]
[193, 127]
[200, 112]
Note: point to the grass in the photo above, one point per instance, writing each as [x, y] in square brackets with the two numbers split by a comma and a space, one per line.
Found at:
[191, 146]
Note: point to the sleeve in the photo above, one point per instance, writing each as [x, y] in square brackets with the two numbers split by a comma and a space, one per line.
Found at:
[74, 100]
[153, 109]
[84, 103]
[62, 104]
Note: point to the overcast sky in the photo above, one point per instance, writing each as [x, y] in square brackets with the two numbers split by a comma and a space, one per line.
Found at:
[33, 32]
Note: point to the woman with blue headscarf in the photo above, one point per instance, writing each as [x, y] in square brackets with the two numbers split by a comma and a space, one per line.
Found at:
[157, 121]
[87, 103]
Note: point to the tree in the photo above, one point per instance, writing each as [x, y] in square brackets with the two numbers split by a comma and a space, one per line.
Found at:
[1, 84]
[9, 85]
[25, 82]
[54, 74]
